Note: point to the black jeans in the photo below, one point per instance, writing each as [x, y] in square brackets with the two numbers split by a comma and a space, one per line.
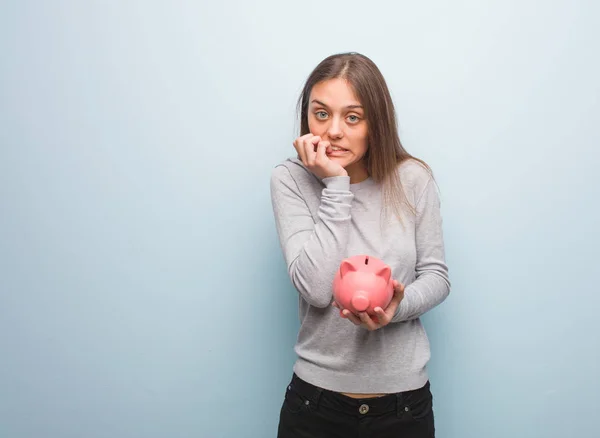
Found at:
[312, 412]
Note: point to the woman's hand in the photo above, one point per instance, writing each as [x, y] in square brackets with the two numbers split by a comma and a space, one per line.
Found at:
[312, 152]
[382, 317]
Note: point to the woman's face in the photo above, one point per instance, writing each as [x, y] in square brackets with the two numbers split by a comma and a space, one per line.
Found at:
[337, 116]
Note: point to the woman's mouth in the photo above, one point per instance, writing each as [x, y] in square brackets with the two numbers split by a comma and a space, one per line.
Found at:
[336, 150]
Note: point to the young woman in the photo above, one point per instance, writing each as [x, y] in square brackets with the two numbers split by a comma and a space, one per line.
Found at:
[353, 189]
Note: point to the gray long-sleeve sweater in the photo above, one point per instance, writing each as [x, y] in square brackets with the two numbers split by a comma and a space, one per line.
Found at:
[332, 352]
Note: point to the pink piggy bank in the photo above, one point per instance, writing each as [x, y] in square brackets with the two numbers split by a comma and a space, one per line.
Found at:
[363, 283]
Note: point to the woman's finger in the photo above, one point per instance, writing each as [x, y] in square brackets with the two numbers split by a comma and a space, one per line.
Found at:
[299, 146]
[309, 149]
[321, 154]
[352, 317]
[382, 316]
[366, 320]
[399, 287]
[398, 292]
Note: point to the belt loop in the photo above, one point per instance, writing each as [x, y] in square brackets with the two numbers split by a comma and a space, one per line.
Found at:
[399, 405]
[318, 394]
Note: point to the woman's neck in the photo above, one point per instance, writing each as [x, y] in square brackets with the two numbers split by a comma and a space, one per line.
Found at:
[357, 172]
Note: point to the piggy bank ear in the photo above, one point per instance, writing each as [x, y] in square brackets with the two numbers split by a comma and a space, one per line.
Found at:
[346, 267]
[385, 272]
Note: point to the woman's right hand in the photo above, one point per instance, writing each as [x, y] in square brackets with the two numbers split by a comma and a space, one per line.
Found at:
[312, 152]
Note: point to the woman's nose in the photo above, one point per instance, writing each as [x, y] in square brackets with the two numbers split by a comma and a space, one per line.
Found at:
[335, 129]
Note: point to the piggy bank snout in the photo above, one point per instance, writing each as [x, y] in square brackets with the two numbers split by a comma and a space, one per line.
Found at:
[360, 301]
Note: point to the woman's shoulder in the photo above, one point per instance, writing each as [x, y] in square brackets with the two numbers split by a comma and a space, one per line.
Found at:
[292, 173]
[280, 171]
[414, 173]
[293, 169]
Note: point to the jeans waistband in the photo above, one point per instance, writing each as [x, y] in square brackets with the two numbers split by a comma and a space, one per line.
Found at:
[359, 406]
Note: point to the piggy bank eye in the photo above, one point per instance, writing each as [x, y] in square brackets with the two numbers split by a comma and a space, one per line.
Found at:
[366, 260]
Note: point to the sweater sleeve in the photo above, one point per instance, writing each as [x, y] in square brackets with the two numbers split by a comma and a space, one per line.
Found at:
[312, 252]
[432, 284]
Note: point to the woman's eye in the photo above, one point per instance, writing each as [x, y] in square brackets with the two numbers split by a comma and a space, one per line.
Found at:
[353, 119]
[321, 114]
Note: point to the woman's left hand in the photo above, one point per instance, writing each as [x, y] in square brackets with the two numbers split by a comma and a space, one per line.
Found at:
[382, 317]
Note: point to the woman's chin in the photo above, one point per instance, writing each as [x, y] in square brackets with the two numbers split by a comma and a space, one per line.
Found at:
[342, 161]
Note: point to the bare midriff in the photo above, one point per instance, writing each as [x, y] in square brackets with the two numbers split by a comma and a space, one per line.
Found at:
[352, 395]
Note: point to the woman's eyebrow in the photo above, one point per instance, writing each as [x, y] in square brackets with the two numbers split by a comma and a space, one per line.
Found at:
[324, 105]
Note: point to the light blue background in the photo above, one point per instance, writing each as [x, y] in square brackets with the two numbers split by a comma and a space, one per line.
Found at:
[142, 289]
